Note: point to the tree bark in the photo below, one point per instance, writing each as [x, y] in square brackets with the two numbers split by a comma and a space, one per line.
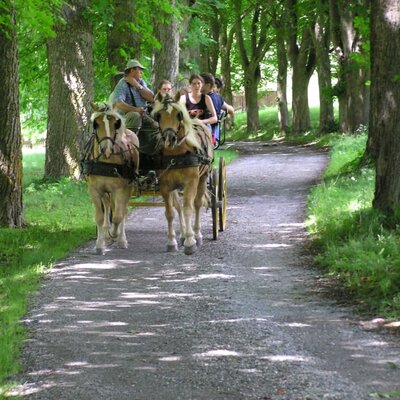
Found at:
[320, 36]
[302, 59]
[385, 102]
[166, 58]
[281, 84]
[11, 210]
[251, 56]
[351, 88]
[225, 47]
[123, 43]
[70, 92]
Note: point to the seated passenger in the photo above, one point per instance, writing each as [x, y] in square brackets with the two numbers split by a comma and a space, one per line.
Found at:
[218, 101]
[131, 96]
[164, 87]
[199, 105]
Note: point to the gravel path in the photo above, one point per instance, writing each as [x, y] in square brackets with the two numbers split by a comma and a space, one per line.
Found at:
[240, 319]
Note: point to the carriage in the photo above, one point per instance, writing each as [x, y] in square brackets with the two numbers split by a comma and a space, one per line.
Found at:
[183, 174]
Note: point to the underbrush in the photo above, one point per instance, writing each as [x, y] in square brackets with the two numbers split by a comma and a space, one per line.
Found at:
[354, 248]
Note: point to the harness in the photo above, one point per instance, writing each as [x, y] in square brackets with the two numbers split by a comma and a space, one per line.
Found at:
[90, 165]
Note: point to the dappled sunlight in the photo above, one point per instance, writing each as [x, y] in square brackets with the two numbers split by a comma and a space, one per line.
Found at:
[265, 246]
[217, 353]
[287, 358]
[155, 295]
[230, 321]
[297, 325]
[203, 277]
[170, 358]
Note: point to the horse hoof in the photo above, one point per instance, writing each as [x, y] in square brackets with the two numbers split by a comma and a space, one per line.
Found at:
[199, 241]
[171, 248]
[123, 245]
[100, 251]
[190, 249]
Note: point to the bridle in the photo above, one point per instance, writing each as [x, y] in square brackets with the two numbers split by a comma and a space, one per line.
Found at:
[171, 134]
[115, 147]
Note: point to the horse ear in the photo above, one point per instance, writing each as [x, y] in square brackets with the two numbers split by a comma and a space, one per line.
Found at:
[180, 116]
[159, 96]
[94, 106]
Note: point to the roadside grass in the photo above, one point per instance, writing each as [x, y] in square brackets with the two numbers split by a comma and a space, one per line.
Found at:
[59, 218]
[358, 255]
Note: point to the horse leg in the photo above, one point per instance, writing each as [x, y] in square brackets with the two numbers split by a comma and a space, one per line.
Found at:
[99, 219]
[172, 244]
[188, 198]
[198, 203]
[106, 207]
[120, 211]
[178, 208]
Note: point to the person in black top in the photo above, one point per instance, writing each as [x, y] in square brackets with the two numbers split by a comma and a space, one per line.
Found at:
[199, 105]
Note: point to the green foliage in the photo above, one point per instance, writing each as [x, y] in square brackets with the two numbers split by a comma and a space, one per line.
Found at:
[54, 228]
[353, 245]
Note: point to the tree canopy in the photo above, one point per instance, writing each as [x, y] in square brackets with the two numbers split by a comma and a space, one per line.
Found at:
[252, 45]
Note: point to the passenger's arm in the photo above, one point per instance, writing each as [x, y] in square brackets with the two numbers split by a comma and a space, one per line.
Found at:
[125, 107]
[210, 106]
[229, 109]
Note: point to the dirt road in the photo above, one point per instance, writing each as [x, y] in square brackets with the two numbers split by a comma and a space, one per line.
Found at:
[240, 319]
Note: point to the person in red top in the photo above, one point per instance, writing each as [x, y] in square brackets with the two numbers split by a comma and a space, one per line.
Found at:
[199, 105]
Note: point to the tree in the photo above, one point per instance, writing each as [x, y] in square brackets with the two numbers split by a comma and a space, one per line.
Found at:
[70, 91]
[302, 59]
[321, 40]
[11, 212]
[384, 128]
[123, 38]
[166, 57]
[252, 49]
[281, 81]
[348, 39]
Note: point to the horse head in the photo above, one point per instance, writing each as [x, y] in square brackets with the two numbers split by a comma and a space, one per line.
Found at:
[108, 127]
[173, 119]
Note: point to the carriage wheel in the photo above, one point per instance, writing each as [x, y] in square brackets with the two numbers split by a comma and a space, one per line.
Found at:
[222, 199]
[214, 202]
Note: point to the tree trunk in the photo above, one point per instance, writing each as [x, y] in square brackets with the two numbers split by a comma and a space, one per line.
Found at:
[300, 109]
[225, 47]
[166, 58]
[281, 84]
[385, 102]
[11, 211]
[302, 59]
[70, 91]
[320, 36]
[122, 42]
[252, 79]
[351, 89]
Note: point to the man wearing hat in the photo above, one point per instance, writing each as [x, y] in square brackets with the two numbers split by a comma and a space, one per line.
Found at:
[130, 96]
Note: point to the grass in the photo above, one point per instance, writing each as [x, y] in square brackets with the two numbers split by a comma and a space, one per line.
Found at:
[354, 249]
[59, 218]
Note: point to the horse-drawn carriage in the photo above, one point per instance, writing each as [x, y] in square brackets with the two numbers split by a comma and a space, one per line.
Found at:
[182, 173]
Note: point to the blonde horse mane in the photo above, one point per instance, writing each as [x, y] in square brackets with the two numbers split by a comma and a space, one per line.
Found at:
[166, 103]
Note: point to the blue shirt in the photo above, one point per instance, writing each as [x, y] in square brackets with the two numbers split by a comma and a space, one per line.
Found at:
[123, 91]
[218, 102]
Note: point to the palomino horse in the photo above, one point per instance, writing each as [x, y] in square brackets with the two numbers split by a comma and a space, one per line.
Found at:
[111, 164]
[187, 155]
